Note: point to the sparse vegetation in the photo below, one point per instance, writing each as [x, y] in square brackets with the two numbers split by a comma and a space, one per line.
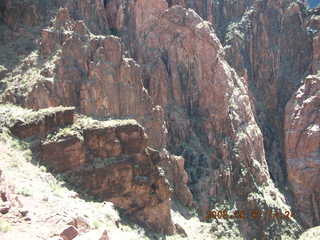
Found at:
[63, 133]
[53, 191]
[11, 114]
[85, 122]
[24, 191]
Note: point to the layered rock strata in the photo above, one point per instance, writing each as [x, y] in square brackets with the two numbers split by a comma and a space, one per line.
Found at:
[91, 73]
[40, 123]
[167, 69]
[110, 160]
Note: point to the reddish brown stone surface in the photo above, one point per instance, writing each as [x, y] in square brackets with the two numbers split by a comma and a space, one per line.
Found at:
[165, 67]
[15, 13]
[111, 160]
[42, 123]
[302, 145]
[268, 44]
[313, 23]
[271, 49]
[207, 107]
[127, 176]
[93, 74]
[104, 141]
[67, 154]
[69, 233]
[177, 176]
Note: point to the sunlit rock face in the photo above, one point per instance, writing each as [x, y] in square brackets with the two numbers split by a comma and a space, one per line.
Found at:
[110, 160]
[269, 45]
[209, 80]
[301, 132]
[302, 147]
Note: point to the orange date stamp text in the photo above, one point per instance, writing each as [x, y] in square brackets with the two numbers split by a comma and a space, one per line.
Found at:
[249, 214]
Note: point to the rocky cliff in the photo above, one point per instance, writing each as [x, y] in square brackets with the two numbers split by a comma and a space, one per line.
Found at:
[302, 148]
[107, 159]
[219, 83]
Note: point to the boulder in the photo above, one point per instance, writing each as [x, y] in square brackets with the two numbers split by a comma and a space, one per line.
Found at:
[69, 233]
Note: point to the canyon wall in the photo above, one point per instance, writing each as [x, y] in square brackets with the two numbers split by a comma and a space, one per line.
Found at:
[209, 80]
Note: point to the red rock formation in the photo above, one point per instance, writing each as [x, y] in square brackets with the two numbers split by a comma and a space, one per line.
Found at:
[41, 123]
[205, 100]
[313, 24]
[267, 43]
[177, 176]
[96, 78]
[302, 145]
[92, 12]
[67, 154]
[111, 160]
[15, 13]
[69, 233]
[270, 47]
[135, 185]
[167, 69]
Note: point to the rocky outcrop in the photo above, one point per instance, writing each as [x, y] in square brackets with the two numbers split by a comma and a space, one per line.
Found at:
[67, 154]
[272, 45]
[93, 12]
[271, 48]
[302, 135]
[302, 145]
[111, 160]
[97, 78]
[208, 109]
[313, 25]
[16, 14]
[134, 184]
[108, 159]
[175, 172]
[167, 69]
[269, 45]
[40, 123]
